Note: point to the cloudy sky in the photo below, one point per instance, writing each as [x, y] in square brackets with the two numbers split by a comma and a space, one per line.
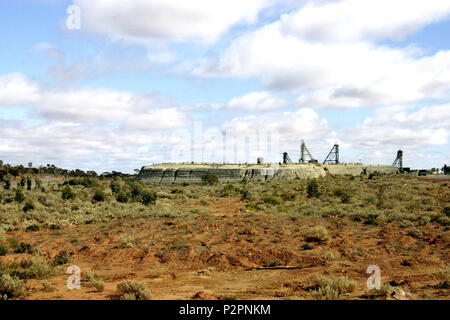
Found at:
[138, 82]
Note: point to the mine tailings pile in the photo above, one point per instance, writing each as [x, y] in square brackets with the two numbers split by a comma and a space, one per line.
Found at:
[228, 173]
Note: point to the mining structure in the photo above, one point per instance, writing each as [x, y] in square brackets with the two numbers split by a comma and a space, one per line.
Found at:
[307, 168]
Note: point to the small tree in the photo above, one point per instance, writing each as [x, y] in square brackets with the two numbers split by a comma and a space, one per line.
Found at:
[313, 189]
[115, 186]
[99, 195]
[19, 197]
[149, 197]
[29, 205]
[28, 183]
[210, 178]
[7, 185]
[122, 197]
[67, 193]
[22, 182]
[136, 189]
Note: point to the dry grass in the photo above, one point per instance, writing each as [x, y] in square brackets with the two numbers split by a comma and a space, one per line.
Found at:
[268, 223]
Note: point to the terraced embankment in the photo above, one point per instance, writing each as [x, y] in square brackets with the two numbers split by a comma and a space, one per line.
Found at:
[192, 173]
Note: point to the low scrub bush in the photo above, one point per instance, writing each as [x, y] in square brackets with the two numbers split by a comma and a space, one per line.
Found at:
[122, 197]
[115, 186]
[61, 258]
[3, 249]
[24, 247]
[312, 189]
[319, 235]
[67, 193]
[19, 196]
[271, 200]
[133, 290]
[93, 281]
[210, 178]
[11, 287]
[99, 195]
[149, 197]
[344, 195]
[33, 228]
[415, 233]
[331, 288]
[229, 190]
[29, 206]
[136, 189]
[384, 292]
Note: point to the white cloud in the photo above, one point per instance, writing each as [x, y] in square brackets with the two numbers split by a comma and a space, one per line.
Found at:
[397, 128]
[85, 146]
[354, 20]
[158, 119]
[332, 73]
[145, 111]
[256, 101]
[304, 123]
[17, 89]
[141, 20]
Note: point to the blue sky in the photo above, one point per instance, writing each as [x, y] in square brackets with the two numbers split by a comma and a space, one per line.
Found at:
[129, 86]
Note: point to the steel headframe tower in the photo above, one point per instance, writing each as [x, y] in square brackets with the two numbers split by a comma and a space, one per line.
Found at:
[399, 160]
[305, 152]
[333, 156]
[286, 158]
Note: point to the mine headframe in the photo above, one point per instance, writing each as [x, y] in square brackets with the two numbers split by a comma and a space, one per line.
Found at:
[333, 156]
[286, 158]
[304, 154]
[399, 160]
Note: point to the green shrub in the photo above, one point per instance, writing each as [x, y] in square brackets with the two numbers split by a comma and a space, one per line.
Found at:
[92, 281]
[13, 243]
[385, 291]
[312, 189]
[3, 249]
[271, 200]
[415, 233]
[371, 219]
[149, 197]
[127, 240]
[319, 235]
[22, 182]
[210, 178]
[289, 196]
[245, 194]
[344, 195]
[33, 227]
[67, 193]
[331, 288]
[61, 258]
[11, 287]
[30, 269]
[133, 290]
[307, 246]
[229, 190]
[99, 195]
[136, 189]
[446, 211]
[19, 197]
[115, 186]
[28, 183]
[7, 185]
[122, 197]
[29, 205]
[24, 247]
